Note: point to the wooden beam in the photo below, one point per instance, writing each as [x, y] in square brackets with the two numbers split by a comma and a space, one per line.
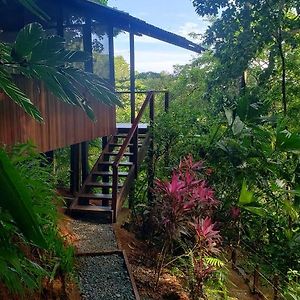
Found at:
[150, 169]
[88, 67]
[132, 77]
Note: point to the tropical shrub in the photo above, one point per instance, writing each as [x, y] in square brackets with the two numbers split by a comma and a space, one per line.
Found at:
[182, 213]
[25, 259]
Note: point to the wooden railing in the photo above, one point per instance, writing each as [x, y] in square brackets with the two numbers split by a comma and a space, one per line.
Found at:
[165, 92]
[131, 137]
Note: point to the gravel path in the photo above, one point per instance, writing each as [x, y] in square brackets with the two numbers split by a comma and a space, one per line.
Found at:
[93, 237]
[104, 277]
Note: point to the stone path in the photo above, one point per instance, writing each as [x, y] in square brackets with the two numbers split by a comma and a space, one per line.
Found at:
[93, 237]
[101, 275]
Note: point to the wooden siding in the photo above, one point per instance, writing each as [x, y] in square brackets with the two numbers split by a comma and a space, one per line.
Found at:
[63, 125]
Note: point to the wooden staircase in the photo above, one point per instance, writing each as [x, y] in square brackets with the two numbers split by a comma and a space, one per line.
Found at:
[108, 184]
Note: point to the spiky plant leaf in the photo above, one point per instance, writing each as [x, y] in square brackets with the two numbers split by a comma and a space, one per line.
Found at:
[16, 199]
[11, 90]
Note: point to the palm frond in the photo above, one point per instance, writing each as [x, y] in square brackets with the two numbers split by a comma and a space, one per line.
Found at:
[37, 56]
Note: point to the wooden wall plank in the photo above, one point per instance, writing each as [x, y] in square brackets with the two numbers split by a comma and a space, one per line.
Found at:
[64, 124]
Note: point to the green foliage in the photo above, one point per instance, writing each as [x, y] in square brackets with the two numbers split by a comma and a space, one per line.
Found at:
[227, 109]
[42, 57]
[23, 265]
[292, 291]
[17, 201]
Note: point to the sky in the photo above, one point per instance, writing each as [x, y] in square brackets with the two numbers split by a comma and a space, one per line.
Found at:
[177, 16]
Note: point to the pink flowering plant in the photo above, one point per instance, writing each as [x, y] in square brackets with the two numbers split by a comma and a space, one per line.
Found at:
[207, 244]
[183, 198]
[183, 213]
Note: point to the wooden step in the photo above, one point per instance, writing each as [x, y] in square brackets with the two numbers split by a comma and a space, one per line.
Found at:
[123, 136]
[102, 184]
[102, 173]
[98, 213]
[120, 145]
[91, 208]
[110, 163]
[116, 153]
[96, 196]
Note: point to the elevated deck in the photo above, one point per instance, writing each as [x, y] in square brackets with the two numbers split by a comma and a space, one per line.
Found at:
[125, 127]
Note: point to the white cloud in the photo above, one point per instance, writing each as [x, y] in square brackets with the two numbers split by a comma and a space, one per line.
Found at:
[189, 27]
[158, 61]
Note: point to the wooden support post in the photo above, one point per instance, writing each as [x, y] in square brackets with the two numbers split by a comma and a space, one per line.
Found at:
[276, 287]
[134, 140]
[104, 141]
[132, 77]
[88, 67]
[167, 145]
[167, 101]
[111, 55]
[151, 154]
[75, 169]
[256, 280]
[50, 157]
[84, 161]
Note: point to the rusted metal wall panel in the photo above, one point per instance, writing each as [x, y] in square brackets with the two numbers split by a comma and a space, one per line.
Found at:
[63, 125]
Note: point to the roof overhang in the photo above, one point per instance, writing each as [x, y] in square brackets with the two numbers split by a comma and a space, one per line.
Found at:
[126, 22]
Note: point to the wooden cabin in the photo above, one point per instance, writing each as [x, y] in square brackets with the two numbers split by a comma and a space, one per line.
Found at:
[90, 27]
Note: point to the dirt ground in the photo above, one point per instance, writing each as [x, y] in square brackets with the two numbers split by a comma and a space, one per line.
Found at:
[142, 259]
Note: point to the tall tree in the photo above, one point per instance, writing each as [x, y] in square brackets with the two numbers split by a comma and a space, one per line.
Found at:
[244, 30]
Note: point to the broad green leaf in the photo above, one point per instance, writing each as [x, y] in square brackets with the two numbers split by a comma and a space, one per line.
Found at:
[246, 197]
[16, 199]
[290, 210]
[27, 39]
[256, 210]
[289, 142]
[237, 126]
[229, 115]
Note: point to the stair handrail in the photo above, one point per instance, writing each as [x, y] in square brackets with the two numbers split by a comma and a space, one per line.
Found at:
[132, 132]
[133, 129]
[165, 92]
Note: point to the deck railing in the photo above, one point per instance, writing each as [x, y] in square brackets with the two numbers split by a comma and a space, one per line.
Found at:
[132, 138]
